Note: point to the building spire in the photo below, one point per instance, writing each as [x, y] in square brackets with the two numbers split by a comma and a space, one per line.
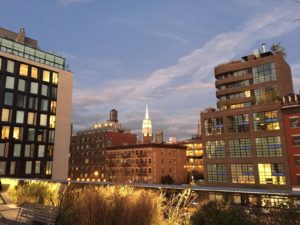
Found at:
[147, 113]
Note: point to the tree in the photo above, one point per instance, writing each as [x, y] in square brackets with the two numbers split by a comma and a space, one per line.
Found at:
[278, 49]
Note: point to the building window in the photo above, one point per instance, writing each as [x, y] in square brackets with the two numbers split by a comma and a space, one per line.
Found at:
[2, 167]
[44, 104]
[23, 70]
[12, 169]
[52, 122]
[53, 92]
[6, 115]
[31, 116]
[31, 134]
[10, 66]
[22, 85]
[17, 133]
[238, 123]
[41, 151]
[43, 120]
[28, 167]
[34, 88]
[4, 149]
[268, 147]
[46, 75]
[216, 173]
[54, 78]
[0, 63]
[5, 132]
[29, 151]
[34, 72]
[296, 140]
[213, 126]
[37, 169]
[297, 160]
[264, 73]
[21, 101]
[8, 98]
[51, 136]
[41, 135]
[294, 122]
[266, 121]
[271, 174]
[44, 90]
[49, 168]
[17, 150]
[10, 82]
[215, 149]
[265, 95]
[242, 173]
[20, 117]
[240, 148]
[32, 103]
[53, 107]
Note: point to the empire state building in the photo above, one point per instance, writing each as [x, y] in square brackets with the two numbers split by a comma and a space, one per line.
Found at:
[147, 128]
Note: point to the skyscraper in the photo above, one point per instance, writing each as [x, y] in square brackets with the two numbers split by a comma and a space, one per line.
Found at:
[244, 142]
[147, 128]
[35, 107]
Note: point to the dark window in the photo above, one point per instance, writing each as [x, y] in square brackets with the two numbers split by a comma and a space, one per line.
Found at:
[8, 98]
[295, 122]
[297, 160]
[296, 140]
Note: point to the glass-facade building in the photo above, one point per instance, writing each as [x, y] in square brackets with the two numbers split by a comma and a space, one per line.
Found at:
[243, 139]
[35, 111]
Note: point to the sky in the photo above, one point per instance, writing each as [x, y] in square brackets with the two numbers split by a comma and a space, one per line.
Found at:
[128, 53]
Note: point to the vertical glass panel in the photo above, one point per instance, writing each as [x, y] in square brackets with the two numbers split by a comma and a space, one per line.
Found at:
[28, 152]
[23, 70]
[51, 136]
[34, 88]
[53, 107]
[37, 169]
[17, 133]
[31, 118]
[32, 103]
[44, 104]
[21, 101]
[10, 66]
[2, 167]
[41, 151]
[17, 150]
[8, 98]
[20, 117]
[46, 75]
[28, 167]
[12, 169]
[0, 63]
[10, 82]
[52, 121]
[54, 78]
[53, 92]
[49, 168]
[5, 117]
[31, 134]
[44, 90]
[5, 132]
[34, 72]
[43, 120]
[22, 85]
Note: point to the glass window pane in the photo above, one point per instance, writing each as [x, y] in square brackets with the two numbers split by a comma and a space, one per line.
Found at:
[8, 98]
[21, 101]
[44, 90]
[53, 107]
[5, 117]
[43, 120]
[46, 75]
[31, 118]
[28, 167]
[54, 78]
[21, 85]
[28, 152]
[37, 169]
[32, 103]
[23, 70]
[52, 121]
[34, 88]
[41, 151]
[31, 134]
[10, 82]
[34, 72]
[10, 66]
[17, 133]
[44, 104]
[2, 167]
[20, 117]
[12, 169]
[5, 132]
[17, 150]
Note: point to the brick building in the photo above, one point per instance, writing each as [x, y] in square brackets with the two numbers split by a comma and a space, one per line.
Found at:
[146, 163]
[244, 141]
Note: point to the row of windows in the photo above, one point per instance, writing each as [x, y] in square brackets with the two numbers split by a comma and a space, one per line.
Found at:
[243, 173]
[242, 83]
[34, 72]
[29, 169]
[264, 73]
[27, 150]
[30, 134]
[266, 121]
[244, 94]
[241, 148]
[234, 74]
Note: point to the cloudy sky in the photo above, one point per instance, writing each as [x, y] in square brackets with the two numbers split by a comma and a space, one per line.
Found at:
[129, 53]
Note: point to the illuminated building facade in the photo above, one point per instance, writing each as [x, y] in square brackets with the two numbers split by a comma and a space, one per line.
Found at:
[146, 163]
[159, 136]
[244, 141]
[147, 129]
[87, 149]
[35, 108]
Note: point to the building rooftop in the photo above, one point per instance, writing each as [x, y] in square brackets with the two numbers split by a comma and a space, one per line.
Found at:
[24, 47]
[148, 145]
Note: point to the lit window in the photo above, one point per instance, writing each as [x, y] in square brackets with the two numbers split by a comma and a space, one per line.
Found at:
[46, 75]
[216, 173]
[4, 149]
[17, 150]
[52, 122]
[6, 115]
[28, 167]
[21, 85]
[43, 120]
[34, 88]
[51, 136]
[0, 63]
[5, 132]
[54, 78]
[34, 72]
[271, 174]
[12, 169]
[17, 134]
[41, 151]
[10, 66]
[23, 70]
[53, 107]
[37, 169]
[268, 146]
[242, 173]
[31, 118]
[20, 117]
[10, 82]
[49, 168]
[247, 94]
[295, 122]
[2, 167]
[266, 121]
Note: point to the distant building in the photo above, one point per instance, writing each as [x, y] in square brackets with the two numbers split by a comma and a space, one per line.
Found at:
[291, 124]
[147, 129]
[244, 141]
[159, 137]
[172, 140]
[87, 154]
[35, 107]
[146, 163]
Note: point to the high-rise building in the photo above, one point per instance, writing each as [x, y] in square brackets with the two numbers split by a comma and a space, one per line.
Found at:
[159, 136]
[147, 129]
[244, 141]
[87, 149]
[35, 107]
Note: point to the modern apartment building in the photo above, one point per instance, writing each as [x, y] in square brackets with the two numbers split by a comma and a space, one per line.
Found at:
[35, 109]
[146, 163]
[244, 141]
[87, 149]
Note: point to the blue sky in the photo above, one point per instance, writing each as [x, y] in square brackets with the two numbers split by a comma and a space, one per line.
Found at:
[129, 53]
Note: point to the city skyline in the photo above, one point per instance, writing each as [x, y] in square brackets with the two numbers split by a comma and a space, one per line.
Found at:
[126, 55]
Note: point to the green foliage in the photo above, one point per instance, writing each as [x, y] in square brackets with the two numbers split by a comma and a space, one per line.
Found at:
[216, 213]
[34, 192]
[278, 49]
